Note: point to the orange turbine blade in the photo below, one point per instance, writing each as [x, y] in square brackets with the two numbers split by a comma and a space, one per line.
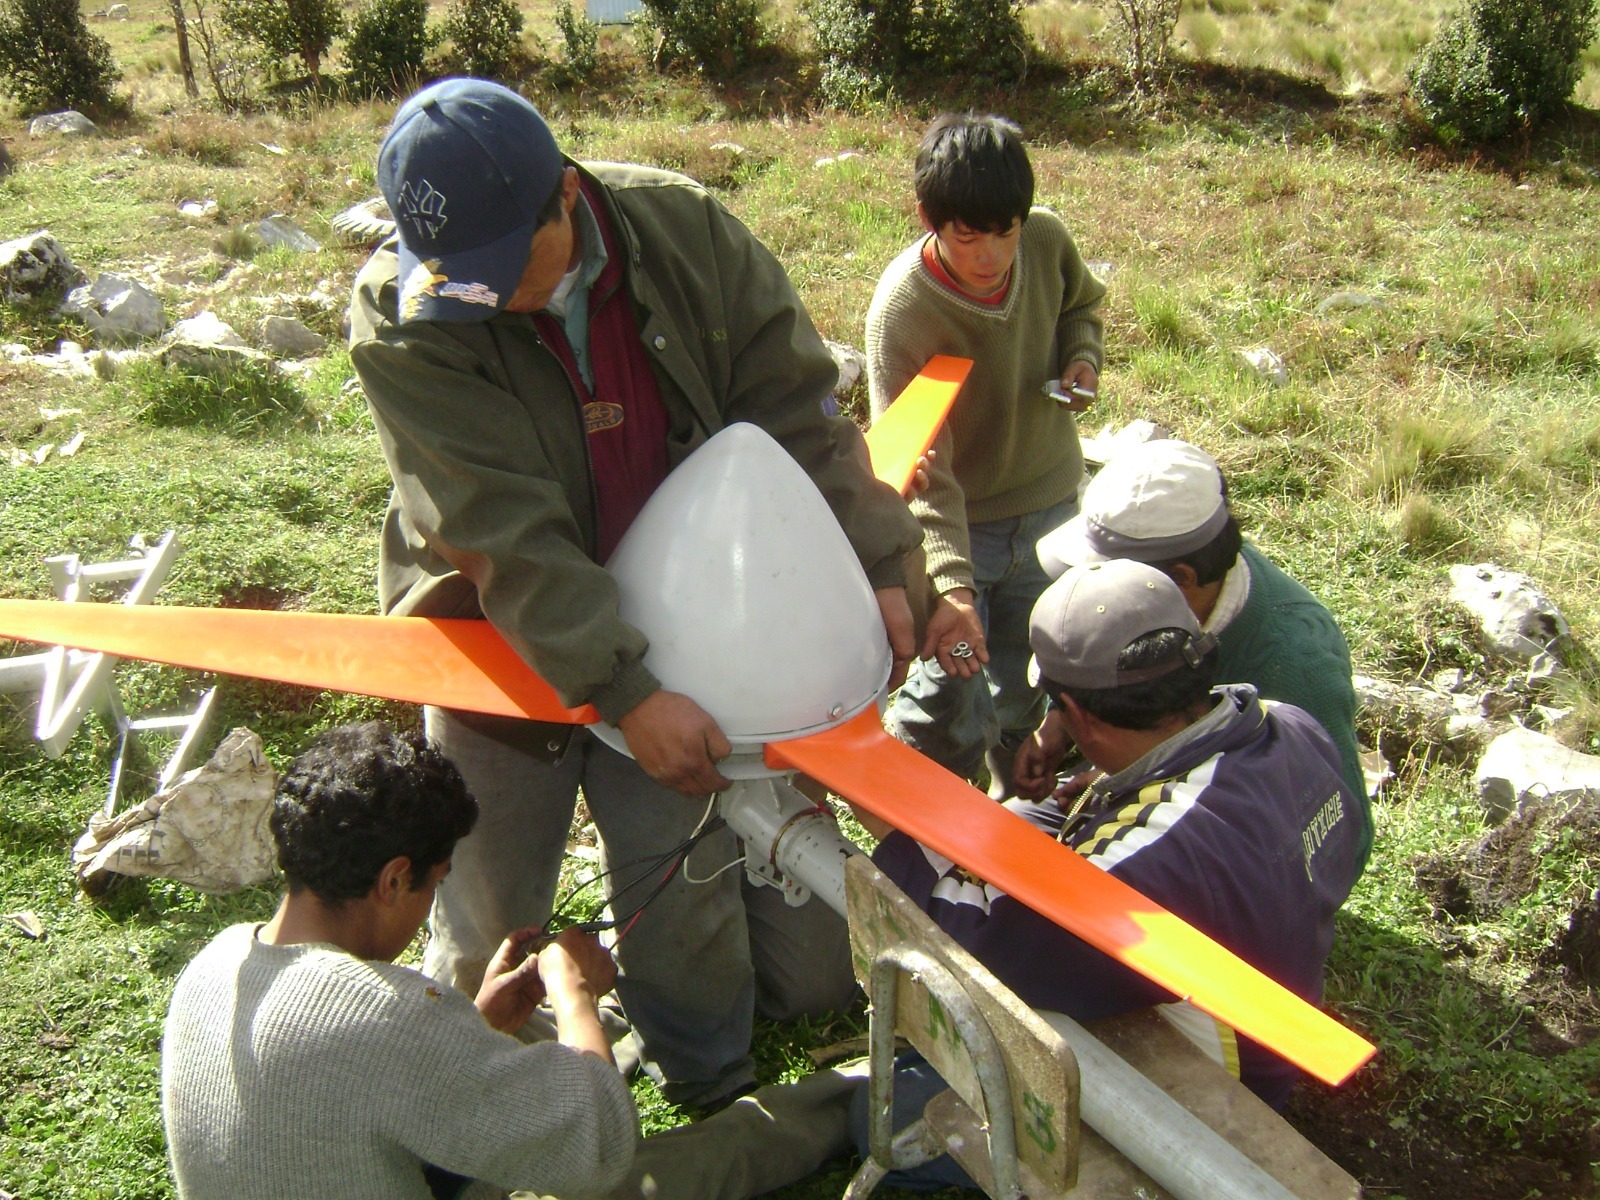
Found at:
[922, 799]
[422, 660]
[909, 425]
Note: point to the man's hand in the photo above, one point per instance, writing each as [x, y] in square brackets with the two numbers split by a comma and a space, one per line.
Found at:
[577, 970]
[955, 623]
[1082, 375]
[919, 477]
[677, 743]
[896, 612]
[1034, 773]
[511, 987]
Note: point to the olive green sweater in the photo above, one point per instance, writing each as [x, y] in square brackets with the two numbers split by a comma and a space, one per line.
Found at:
[1007, 449]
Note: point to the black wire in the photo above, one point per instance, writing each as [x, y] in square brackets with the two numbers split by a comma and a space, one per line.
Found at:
[558, 921]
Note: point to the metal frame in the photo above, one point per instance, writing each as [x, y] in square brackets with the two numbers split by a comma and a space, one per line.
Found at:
[72, 684]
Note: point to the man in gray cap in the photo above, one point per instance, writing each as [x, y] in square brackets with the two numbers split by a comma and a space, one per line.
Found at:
[1166, 503]
[1229, 812]
[540, 345]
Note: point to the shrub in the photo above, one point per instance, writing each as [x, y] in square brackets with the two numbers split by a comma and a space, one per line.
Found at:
[582, 39]
[388, 44]
[718, 36]
[1144, 30]
[487, 35]
[1497, 65]
[867, 47]
[281, 29]
[49, 60]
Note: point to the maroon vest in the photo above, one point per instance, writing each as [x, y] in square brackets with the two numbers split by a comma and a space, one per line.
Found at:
[623, 415]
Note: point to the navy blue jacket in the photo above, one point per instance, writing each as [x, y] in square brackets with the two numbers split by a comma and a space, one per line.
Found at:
[1242, 825]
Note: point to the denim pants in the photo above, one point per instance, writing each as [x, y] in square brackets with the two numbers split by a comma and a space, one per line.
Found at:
[915, 1083]
[707, 955]
[952, 720]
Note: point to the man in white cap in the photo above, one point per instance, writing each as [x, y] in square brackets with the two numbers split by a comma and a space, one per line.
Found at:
[540, 345]
[1165, 503]
[1231, 813]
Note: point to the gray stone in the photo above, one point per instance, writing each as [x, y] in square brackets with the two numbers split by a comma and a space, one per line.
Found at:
[851, 362]
[1400, 718]
[36, 268]
[289, 338]
[1108, 443]
[1348, 302]
[206, 343]
[1265, 363]
[69, 122]
[1449, 681]
[117, 309]
[278, 230]
[1522, 769]
[1518, 620]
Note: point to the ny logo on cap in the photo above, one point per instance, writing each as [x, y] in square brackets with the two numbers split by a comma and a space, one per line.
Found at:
[423, 207]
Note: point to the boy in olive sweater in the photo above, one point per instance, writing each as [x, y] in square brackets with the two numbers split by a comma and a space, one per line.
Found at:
[1000, 282]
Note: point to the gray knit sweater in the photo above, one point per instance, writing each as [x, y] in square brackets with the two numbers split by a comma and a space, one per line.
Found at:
[305, 1073]
[1006, 450]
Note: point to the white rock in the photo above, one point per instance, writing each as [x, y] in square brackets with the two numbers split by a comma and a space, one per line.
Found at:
[1105, 445]
[35, 267]
[117, 309]
[69, 122]
[1522, 768]
[206, 343]
[1518, 620]
[279, 230]
[117, 12]
[198, 208]
[289, 338]
[1265, 363]
[850, 361]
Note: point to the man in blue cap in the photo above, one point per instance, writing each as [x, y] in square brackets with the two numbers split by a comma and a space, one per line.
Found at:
[540, 345]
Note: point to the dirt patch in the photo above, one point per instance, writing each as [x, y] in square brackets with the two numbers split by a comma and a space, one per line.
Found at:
[1428, 1153]
[1510, 863]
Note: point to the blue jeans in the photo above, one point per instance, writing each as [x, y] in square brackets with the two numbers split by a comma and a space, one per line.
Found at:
[952, 720]
[915, 1083]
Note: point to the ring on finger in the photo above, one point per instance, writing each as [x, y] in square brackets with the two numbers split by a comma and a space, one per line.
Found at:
[961, 650]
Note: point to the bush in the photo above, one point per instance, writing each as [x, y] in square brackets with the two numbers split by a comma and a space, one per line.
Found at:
[281, 29]
[388, 44]
[1499, 65]
[49, 60]
[718, 36]
[1144, 29]
[867, 47]
[582, 39]
[487, 35]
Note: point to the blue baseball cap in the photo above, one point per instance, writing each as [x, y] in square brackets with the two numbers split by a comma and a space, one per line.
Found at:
[465, 167]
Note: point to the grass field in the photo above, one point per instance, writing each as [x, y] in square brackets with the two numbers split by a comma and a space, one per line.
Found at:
[1452, 416]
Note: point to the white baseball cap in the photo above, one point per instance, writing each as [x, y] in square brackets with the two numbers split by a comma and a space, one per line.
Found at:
[1158, 501]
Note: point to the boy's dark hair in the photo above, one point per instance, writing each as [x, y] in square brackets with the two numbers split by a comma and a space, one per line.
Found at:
[1213, 560]
[360, 795]
[974, 169]
[1146, 705]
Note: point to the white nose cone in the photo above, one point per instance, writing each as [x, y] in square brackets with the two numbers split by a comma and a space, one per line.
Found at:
[752, 598]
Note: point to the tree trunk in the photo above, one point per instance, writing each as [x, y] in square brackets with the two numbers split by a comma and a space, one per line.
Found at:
[185, 63]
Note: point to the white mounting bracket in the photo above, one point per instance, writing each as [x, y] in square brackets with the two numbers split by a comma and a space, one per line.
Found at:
[72, 683]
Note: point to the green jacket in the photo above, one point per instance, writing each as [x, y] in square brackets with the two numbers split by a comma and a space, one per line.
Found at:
[493, 509]
[1288, 645]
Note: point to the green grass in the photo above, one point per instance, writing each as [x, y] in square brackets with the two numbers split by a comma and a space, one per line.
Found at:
[1457, 420]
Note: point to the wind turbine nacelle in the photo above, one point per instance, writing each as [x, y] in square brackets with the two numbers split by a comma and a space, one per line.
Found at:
[752, 598]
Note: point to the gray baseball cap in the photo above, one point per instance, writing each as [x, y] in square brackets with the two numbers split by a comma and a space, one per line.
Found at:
[1154, 503]
[1088, 617]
